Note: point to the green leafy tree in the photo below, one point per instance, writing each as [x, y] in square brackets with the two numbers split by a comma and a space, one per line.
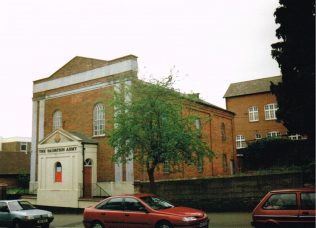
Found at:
[295, 54]
[152, 127]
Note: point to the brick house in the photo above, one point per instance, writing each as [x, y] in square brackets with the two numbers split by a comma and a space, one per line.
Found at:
[255, 108]
[70, 154]
[15, 155]
[15, 144]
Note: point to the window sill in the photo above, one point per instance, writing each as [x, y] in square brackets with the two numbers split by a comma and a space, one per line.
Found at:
[98, 136]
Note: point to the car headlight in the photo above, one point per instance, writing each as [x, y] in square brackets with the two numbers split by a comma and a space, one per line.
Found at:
[28, 217]
[188, 219]
[50, 215]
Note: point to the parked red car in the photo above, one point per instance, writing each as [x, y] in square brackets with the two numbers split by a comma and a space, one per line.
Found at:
[286, 208]
[141, 210]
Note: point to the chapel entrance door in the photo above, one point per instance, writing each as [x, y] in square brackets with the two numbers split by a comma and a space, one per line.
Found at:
[87, 175]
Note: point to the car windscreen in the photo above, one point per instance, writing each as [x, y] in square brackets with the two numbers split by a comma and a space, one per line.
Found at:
[20, 205]
[156, 203]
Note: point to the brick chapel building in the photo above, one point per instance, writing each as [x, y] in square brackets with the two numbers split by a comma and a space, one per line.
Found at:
[71, 157]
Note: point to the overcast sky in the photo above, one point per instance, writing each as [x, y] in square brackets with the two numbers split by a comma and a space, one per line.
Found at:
[208, 44]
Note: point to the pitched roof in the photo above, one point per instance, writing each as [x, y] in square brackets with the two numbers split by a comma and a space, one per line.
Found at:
[77, 65]
[251, 87]
[14, 163]
[81, 64]
[65, 136]
[84, 138]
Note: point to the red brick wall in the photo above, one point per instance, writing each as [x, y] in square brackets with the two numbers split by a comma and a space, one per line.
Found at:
[239, 105]
[211, 121]
[77, 115]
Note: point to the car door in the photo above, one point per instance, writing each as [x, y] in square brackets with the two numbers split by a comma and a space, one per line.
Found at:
[135, 214]
[5, 216]
[111, 213]
[280, 208]
[307, 210]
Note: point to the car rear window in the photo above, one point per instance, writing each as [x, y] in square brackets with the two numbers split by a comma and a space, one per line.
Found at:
[282, 201]
[308, 200]
[112, 204]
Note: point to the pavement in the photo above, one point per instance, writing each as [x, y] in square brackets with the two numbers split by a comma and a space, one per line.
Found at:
[217, 220]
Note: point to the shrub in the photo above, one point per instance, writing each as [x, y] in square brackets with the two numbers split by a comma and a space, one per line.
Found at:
[275, 152]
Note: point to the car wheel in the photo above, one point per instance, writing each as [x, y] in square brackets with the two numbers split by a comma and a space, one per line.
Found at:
[45, 226]
[97, 225]
[164, 225]
[16, 224]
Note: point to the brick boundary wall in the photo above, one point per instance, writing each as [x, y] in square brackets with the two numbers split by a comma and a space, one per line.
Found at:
[235, 193]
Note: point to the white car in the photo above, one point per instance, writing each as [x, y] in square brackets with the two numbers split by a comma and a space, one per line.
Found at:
[21, 213]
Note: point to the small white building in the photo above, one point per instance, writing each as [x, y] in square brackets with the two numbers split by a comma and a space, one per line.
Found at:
[66, 168]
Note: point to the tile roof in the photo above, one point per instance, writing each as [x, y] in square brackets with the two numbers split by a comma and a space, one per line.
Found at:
[84, 138]
[251, 87]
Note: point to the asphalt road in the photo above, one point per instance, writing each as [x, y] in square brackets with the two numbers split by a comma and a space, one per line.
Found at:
[217, 220]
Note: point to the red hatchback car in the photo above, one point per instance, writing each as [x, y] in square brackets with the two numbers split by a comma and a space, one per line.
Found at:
[286, 208]
[141, 210]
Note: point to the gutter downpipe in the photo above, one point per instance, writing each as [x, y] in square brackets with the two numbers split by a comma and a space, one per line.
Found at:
[83, 158]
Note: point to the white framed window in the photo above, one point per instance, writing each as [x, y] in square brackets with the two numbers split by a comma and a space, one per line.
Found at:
[253, 114]
[258, 136]
[270, 111]
[240, 142]
[58, 172]
[198, 123]
[166, 167]
[57, 120]
[296, 137]
[98, 120]
[23, 146]
[273, 134]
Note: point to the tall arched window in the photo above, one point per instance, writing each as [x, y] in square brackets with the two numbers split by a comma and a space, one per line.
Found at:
[98, 120]
[223, 132]
[58, 172]
[57, 120]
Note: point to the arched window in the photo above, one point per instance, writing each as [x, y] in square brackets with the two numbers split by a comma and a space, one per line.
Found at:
[98, 120]
[58, 172]
[57, 120]
[200, 164]
[88, 162]
[197, 123]
[223, 132]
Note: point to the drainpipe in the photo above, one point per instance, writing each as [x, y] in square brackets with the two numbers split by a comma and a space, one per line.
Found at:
[83, 157]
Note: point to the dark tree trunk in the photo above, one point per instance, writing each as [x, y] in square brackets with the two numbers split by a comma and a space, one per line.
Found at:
[151, 176]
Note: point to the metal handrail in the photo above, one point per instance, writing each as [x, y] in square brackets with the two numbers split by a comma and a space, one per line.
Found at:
[97, 191]
[105, 193]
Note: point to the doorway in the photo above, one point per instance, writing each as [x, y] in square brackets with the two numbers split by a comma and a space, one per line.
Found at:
[87, 175]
